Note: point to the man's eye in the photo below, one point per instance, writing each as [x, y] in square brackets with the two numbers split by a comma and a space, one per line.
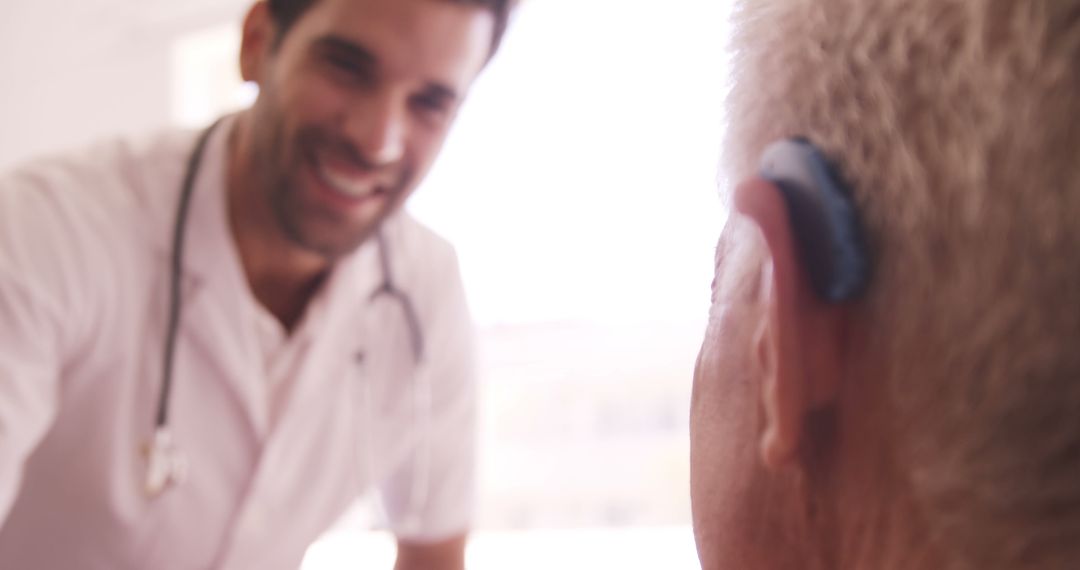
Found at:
[349, 68]
[431, 108]
[341, 62]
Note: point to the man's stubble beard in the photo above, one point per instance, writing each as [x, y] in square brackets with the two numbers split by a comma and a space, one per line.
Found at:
[276, 173]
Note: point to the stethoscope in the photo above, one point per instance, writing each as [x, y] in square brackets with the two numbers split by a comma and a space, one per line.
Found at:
[166, 465]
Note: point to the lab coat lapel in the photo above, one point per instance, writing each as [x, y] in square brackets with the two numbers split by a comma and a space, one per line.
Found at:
[315, 434]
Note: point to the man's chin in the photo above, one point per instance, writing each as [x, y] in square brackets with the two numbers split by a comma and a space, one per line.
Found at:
[331, 241]
[335, 247]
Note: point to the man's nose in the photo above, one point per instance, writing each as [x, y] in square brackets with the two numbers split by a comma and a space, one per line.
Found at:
[377, 126]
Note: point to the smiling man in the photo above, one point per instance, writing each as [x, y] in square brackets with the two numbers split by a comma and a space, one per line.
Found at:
[890, 378]
[211, 343]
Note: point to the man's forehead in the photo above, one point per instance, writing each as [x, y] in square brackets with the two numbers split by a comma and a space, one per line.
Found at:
[439, 40]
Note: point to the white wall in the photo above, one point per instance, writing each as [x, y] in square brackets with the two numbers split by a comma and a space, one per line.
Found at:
[75, 71]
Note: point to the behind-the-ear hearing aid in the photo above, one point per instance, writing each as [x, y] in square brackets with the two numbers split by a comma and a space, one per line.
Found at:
[824, 220]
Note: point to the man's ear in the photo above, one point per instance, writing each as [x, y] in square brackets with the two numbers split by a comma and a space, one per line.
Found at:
[800, 343]
[257, 41]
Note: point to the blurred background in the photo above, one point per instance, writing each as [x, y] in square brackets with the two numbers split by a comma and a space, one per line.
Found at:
[579, 187]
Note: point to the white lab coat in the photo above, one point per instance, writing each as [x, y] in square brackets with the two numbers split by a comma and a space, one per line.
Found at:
[279, 439]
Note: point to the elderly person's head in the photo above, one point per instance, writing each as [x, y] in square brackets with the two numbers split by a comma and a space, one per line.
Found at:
[934, 420]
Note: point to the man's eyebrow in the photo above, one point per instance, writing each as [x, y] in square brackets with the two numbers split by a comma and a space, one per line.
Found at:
[341, 46]
[361, 55]
[443, 92]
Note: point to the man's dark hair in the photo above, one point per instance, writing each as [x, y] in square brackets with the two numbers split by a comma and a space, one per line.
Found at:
[287, 12]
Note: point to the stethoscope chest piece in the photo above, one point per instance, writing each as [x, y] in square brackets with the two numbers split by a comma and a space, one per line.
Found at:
[166, 466]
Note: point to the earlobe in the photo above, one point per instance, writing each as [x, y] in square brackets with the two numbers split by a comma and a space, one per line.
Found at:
[780, 381]
[778, 441]
[256, 42]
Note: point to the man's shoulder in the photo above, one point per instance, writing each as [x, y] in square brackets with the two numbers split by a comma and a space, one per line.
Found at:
[117, 163]
[89, 205]
[423, 262]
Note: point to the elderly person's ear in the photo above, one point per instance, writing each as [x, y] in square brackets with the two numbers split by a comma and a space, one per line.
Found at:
[800, 346]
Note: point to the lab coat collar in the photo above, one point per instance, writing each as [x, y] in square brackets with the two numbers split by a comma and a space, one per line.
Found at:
[209, 249]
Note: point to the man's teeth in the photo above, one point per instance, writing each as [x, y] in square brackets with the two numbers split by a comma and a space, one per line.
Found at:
[344, 185]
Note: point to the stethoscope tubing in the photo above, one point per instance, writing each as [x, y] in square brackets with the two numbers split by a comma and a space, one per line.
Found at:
[176, 274]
